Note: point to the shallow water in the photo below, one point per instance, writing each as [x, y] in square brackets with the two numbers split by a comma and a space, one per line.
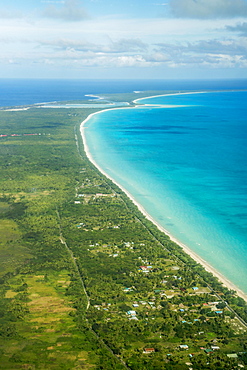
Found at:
[187, 166]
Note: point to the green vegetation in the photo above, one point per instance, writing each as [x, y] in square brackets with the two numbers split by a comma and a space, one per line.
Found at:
[87, 282]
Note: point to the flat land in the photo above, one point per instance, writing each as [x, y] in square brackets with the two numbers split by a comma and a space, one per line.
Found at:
[87, 281]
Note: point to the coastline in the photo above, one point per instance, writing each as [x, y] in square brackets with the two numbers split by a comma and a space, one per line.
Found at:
[181, 93]
[172, 94]
[186, 249]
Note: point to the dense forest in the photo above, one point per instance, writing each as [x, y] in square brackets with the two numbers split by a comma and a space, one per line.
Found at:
[87, 282]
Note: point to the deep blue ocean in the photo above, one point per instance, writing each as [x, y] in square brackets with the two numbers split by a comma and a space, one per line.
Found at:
[186, 164]
[31, 91]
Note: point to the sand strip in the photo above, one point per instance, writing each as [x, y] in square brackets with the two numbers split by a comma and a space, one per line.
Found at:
[136, 101]
[187, 250]
[14, 109]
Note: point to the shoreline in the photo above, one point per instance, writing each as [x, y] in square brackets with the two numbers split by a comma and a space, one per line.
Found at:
[227, 283]
[172, 94]
[184, 93]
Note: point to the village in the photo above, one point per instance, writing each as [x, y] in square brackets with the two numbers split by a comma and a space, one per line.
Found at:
[176, 313]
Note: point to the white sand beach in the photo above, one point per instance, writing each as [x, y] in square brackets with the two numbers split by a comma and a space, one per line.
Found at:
[192, 254]
[15, 109]
[172, 94]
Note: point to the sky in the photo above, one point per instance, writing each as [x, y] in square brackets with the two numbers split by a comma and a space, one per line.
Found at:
[130, 39]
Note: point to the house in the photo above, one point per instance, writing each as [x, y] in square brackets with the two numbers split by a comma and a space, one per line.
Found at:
[183, 346]
[168, 296]
[232, 355]
[144, 268]
[126, 290]
[214, 348]
[131, 313]
[148, 350]
[208, 350]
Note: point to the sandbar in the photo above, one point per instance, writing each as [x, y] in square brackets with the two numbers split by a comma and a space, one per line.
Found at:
[15, 109]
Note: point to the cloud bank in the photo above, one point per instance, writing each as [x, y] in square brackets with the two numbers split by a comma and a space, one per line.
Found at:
[116, 47]
[59, 35]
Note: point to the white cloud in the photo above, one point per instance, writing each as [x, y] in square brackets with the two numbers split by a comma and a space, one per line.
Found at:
[119, 46]
[107, 42]
[240, 28]
[53, 1]
[10, 14]
[186, 58]
[130, 61]
[211, 53]
[70, 11]
[230, 47]
[206, 9]
[158, 57]
[128, 45]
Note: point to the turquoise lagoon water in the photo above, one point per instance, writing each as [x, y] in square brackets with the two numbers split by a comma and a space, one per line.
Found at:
[187, 166]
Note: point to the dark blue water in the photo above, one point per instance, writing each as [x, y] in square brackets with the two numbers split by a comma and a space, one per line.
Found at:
[30, 91]
[188, 167]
